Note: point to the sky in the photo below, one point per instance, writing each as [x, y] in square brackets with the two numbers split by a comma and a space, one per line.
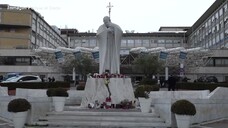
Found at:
[138, 15]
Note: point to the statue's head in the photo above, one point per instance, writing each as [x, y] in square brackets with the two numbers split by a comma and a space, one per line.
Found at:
[107, 21]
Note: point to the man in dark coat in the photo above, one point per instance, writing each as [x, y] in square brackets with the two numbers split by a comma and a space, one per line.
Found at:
[172, 83]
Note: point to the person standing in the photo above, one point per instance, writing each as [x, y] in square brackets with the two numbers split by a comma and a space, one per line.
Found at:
[109, 38]
[172, 83]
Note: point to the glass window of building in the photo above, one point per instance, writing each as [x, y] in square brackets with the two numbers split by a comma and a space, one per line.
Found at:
[161, 41]
[123, 43]
[225, 8]
[226, 62]
[138, 43]
[210, 43]
[206, 25]
[209, 22]
[176, 45]
[213, 41]
[217, 38]
[130, 43]
[226, 32]
[218, 62]
[221, 36]
[206, 45]
[210, 62]
[85, 43]
[220, 11]
[22, 61]
[216, 16]
[212, 19]
[146, 43]
[213, 29]
[92, 43]
[153, 43]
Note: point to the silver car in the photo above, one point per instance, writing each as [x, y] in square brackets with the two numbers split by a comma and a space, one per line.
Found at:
[23, 78]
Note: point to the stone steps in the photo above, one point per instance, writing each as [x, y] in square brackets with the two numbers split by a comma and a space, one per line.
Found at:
[99, 124]
[73, 117]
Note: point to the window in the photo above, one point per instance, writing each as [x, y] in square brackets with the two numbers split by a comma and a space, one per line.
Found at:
[216, 16]
[221, 36]
[210, 62]
[146, 43]
[217, 38]
[218, 62]
[221, 12]
[92, 43]
[85, 43]
[225, 8]
[138, 43]
[123, 43]
[161, 41]
[130, 43]
[28, 78]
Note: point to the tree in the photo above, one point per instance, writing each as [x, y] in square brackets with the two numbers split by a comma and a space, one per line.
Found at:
[148, 65]
[83, 66]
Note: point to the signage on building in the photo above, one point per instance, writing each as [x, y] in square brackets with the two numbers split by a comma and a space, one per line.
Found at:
[163, 55]
[95, 54]
[183, 55]
[77, 54]
[59, 56]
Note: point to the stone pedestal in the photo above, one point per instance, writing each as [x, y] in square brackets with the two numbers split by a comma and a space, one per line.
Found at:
[95, 89]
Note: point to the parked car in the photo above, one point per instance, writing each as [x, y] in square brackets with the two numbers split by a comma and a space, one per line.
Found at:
[23, 78]
[9, 75]
[207, 79]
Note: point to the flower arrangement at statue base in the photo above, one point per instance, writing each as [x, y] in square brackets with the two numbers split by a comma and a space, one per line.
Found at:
[108, 75]
[124, 104]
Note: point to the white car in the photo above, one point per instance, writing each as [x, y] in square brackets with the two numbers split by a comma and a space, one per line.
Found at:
[23, 78]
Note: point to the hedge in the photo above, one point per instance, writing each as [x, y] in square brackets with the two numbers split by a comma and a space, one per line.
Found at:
[36, 85]
[147, 81]
[200, 86]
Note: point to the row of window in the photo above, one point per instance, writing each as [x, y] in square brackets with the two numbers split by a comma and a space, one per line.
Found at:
[130, 43]
[213, 31]
[14, 60]
[45, 35]
[217, 62]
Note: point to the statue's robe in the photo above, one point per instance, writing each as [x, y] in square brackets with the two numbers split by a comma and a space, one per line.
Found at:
[109, 48]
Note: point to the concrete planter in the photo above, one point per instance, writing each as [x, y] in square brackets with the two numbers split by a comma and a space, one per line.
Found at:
[144, 104]
[59, 103]
[19, 119]
[183, 121]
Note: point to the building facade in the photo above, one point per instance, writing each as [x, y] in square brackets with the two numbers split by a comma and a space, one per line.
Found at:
[210, 31]
[21, 31]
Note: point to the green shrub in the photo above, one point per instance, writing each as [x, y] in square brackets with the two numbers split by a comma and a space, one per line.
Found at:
[152, 88]
[36, 85]
[80, 87]
[183, 107]
[19, 105]
[147, 81]
[144, 90]
[140, 92]
[60, 92]
[200, 86]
